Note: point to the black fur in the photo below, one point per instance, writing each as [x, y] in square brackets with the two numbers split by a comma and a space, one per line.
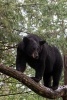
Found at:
[45, 59]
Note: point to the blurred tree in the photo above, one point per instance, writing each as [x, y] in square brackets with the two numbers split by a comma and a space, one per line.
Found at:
[10, 15]
[46, 18]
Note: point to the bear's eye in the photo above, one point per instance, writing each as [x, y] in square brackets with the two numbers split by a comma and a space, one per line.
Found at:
[38, 49]
[33, 48]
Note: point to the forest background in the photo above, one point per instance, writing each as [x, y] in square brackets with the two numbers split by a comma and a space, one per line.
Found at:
[46, 18]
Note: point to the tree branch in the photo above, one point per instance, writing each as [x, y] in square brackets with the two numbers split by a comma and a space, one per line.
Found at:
[9, 47]
[36, 87]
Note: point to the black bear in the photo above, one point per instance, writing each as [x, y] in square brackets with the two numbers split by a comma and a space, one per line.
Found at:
[45, 59]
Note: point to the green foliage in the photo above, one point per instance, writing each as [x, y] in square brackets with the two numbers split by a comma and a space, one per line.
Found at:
[10, 15]
[46, 18]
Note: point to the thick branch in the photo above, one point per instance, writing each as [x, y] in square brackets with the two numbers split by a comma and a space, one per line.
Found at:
[36, 87]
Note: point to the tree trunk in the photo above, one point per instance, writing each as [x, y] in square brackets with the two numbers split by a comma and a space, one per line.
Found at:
[65, 73]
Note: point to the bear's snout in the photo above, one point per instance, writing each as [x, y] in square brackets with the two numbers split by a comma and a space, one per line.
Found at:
[35, 55]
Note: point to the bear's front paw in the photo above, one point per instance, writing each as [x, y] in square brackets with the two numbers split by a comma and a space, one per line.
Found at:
[35, 79]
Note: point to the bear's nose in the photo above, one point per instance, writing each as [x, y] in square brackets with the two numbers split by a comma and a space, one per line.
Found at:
[35, 55]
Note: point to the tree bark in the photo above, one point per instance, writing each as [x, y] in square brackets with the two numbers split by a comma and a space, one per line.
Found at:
[65, 73]
[36, 87]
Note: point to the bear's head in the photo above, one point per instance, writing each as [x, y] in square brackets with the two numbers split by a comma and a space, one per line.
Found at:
[32, 47]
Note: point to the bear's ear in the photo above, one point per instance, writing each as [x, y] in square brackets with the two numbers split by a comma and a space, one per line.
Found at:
[26, 40]
[42, 42]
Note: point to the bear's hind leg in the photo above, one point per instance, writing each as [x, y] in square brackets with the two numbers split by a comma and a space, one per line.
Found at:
[56, 76]
[47, 80]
